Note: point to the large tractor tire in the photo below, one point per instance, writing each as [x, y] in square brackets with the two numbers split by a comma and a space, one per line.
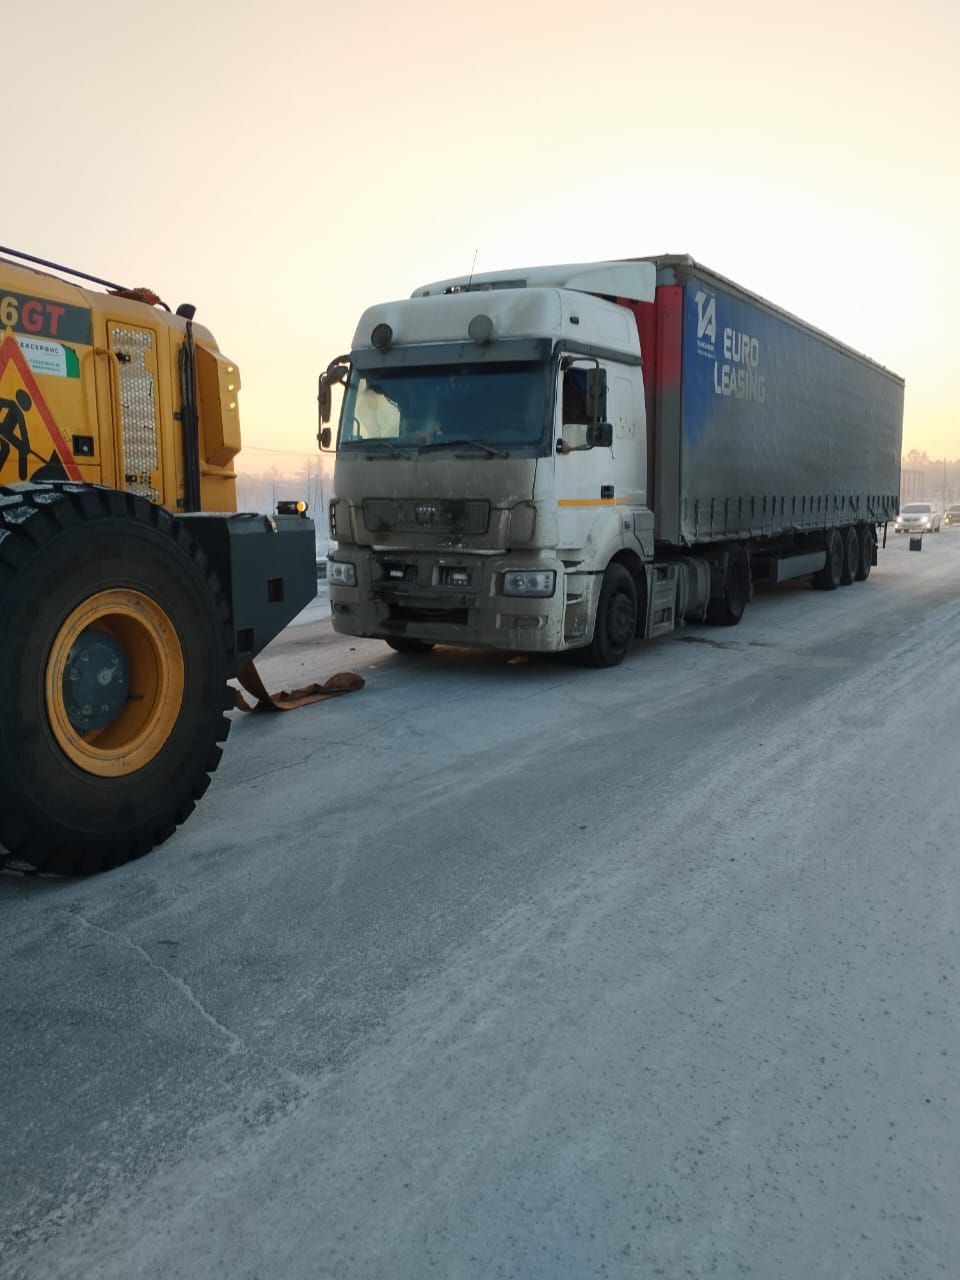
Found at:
[115, 647]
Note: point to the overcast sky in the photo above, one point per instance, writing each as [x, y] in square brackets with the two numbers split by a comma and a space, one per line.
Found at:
[284, 165]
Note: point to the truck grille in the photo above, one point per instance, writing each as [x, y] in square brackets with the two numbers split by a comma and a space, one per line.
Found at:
[426, 515]
[458, 617]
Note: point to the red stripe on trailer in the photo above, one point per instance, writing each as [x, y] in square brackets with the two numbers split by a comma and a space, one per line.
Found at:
[669, 335]
[660, 328]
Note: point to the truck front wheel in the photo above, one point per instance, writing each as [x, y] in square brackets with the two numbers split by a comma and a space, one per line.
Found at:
[616, 621]
[406, 644]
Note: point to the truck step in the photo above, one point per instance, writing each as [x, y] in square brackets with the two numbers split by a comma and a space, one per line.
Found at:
[663, 600]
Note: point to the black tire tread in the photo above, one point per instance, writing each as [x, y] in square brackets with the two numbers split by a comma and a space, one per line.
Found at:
[30, 516]
[824, 580]
[850, 537]
[408, 645]
[867, 538]
[601, 651]
[727, 609]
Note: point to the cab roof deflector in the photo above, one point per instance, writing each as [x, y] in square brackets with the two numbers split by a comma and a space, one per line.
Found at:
[636, 281]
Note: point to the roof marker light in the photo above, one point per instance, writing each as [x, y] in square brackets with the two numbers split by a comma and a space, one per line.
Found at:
[382, 337]
[480, 329]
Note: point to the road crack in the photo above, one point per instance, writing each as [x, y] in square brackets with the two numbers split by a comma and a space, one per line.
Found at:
[237, 1045]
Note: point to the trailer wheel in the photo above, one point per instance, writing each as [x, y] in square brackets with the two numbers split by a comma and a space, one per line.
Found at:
[116, 646]
[406, 644]
[867, 540]
[851, 555]
[828, 578]
[616, 621]
[726, 610]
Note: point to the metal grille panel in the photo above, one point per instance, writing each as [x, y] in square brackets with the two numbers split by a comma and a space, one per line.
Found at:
[138, 411]
[427, 515]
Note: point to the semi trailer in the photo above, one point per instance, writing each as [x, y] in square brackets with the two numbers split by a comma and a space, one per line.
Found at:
[572, 457]
[131, 590]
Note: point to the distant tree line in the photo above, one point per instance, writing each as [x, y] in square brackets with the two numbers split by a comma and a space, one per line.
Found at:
[926, 479]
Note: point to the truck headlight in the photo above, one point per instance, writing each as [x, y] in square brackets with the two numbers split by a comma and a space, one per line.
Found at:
[532, 582]
[340, 573]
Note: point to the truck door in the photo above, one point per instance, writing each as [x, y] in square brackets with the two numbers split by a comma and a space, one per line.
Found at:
[590, 478]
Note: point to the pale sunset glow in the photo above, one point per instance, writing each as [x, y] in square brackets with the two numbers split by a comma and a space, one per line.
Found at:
[283, 166]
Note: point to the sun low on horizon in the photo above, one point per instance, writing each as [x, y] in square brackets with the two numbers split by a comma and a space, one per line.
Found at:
[285, 169]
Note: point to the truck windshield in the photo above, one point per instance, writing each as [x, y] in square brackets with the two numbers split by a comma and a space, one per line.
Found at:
[500, 405]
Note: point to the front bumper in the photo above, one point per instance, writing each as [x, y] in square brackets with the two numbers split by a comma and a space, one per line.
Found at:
[453, 598]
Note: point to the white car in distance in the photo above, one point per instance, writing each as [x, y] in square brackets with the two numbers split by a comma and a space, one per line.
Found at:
[917, 517]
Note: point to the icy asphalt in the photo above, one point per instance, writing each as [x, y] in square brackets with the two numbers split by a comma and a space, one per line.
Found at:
[514, 969]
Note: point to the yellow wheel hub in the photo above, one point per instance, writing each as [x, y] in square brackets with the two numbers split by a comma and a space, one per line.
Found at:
[148, 640]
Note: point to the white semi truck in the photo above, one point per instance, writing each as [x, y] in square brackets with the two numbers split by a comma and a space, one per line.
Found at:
[571, 457]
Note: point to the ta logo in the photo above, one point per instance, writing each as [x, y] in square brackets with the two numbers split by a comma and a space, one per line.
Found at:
[706, 315]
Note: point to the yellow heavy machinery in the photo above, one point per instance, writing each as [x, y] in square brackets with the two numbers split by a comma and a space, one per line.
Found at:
[130, 590]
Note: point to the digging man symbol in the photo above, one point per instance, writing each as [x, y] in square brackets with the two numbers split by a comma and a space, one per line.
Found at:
[13, 431]
[14, 435]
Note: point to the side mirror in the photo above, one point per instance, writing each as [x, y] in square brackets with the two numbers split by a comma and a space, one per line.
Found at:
[600, 435]
[337, 372]
[597, 394]
[326, 437]
[324, 398]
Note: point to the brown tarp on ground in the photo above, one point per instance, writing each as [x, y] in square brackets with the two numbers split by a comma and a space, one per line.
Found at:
[249, 678]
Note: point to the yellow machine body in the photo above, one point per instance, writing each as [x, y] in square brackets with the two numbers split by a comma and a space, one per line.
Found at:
[90, 391]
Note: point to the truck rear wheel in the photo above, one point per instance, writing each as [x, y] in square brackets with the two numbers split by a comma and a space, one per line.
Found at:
[828, 578]
[868, 540]
[726, 610]
[616, 622]
[116, 645]
[851, 555]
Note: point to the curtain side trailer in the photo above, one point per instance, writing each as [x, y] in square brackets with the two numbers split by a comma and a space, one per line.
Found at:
[570, 457]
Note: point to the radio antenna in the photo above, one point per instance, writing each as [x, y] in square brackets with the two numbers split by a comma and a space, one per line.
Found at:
[56, 266]
[472, 269]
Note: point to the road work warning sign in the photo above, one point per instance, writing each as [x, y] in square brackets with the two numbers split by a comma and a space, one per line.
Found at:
[32, 446]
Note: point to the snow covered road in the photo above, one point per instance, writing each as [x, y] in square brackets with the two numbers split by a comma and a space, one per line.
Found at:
[515, 969]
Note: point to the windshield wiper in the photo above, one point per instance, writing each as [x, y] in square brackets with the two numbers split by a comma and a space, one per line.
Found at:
[465, 444]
